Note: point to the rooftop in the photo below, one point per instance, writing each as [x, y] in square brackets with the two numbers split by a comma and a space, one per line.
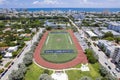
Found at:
[115, 23]
[91, 34]
[113, 32]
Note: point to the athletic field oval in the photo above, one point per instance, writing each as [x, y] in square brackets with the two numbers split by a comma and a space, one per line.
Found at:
[80, 58]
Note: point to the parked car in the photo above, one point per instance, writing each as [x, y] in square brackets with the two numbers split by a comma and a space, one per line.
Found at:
[117, 69]
[109, 67]
[114, 73]
[106, 63]
[99, 50]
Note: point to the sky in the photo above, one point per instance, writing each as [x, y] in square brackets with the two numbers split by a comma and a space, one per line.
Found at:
[59, 3]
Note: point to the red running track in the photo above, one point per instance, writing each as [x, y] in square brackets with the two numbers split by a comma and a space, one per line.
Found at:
[81, 57]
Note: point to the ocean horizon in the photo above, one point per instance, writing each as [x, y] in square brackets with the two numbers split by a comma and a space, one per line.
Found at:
[72, 9]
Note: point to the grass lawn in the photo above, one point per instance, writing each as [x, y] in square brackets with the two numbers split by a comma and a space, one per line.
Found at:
[34, 72]
[59, 40]
[27, 39]
[6, 65]
[93, 73]
[77, 66]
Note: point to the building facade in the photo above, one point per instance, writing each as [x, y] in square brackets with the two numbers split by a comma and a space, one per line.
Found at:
[114, 26]
[116, 56]
[107, 47]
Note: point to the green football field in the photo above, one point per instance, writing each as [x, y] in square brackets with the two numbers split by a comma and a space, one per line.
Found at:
[58, 40]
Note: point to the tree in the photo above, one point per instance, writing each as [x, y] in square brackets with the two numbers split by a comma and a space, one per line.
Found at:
[16, 75]
[96, 25]
[22, 67]
[20, 43]
[35, 43]
[48, 28]
[109, 77]
[33, 47]
[45, 77]
[74, 29]
[85, 78]
[59, 27]
[0, 56]
[27, 59]
[3, 44]
[117, 39]
[108, 34]
[30, 52]
[46, 71]
[15, 53]
[99, 78]
[2, 25]
[102, 48]
[90, 56]
[27, 31]
[109, 38]
[88, 43]
[104, 78]
[103, 71]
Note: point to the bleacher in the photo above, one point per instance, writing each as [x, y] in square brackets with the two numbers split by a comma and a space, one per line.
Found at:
[59, 51]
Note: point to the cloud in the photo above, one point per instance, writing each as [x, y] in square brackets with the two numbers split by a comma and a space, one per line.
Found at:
[2, 1]
[46, 2]
[85, 1]
[36, 2]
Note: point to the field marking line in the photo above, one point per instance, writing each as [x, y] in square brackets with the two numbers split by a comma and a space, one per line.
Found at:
[47, 40]
[67, 40]
[70, 40]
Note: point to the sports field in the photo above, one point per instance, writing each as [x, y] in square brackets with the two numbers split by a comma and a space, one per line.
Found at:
[58, 47]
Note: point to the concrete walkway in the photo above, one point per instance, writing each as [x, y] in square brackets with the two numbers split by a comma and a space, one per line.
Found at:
[59, 75]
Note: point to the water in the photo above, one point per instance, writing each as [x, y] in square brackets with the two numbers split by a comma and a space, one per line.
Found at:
[73, 9]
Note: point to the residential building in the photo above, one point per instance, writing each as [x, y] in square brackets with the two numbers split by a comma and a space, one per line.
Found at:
[107, 47]
[78, 16]
[12, 49]
[8, 55]
[116, 34]
[91, 34]
[114, 26]
[116, 56]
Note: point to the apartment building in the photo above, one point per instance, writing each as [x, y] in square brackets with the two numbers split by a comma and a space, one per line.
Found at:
[116, 56]
[107, 46]
[114, 26]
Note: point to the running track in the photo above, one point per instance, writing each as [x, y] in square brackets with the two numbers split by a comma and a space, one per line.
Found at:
[81, 57]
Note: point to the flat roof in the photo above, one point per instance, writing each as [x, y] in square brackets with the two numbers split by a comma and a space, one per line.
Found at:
[113, 32]
[91, 34]
[114, 23]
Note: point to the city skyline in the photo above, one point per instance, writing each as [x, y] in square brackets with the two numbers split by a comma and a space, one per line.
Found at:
[60, 4]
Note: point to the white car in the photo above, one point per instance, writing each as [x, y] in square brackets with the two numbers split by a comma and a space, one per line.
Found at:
[117, 69]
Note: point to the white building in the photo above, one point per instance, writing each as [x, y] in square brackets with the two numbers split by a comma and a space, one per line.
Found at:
[20, 30]
[114, 26]
[8, 55]
[116, 56]
[12, 49]
[109, 47]
[112, 31]
[91, 34]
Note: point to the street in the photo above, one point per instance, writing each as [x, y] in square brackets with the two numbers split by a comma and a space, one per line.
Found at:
[103, 60]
